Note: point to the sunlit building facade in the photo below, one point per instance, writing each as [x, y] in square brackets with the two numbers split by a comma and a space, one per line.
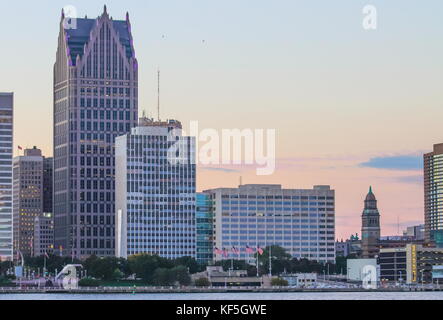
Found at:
[155, 191]
[300, 220]
[6, 145]
[433, 185]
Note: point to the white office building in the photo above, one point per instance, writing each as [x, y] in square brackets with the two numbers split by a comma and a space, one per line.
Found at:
[257, 216]
[6, 141]
[155, 191]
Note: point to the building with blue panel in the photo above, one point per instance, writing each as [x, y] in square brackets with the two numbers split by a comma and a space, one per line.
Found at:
[256, 216]
[204, 228]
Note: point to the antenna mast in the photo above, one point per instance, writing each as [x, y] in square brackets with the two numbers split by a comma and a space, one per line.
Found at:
[158, 94]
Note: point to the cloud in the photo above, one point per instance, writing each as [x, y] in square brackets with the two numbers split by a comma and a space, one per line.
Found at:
[219, 169]
[406, 162]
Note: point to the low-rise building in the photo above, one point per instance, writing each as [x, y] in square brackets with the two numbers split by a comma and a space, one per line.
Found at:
[300, 279]
[412, 263]
[232, 278]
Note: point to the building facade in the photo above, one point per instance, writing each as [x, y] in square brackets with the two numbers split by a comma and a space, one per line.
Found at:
[6, 150]
[415, 232]
[204, 228]
[27, 198]
[95, 100]
[48, 164]
[433, 185]
[412, 264]
[43, 235]
[256, 216]
[370, 232]
[155, 191]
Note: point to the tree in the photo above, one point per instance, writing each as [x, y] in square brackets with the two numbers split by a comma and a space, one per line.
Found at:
[202, 282]
[279, 282]
[181, 275]
[280, 260]
[163, 277]
[188, 262]
[103, 268]
[144, 266]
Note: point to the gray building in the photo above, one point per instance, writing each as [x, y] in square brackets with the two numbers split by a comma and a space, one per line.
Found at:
[95, 100]
[43, 235]
[27, 198]
[255, 216]
[48, 165]
[155, 191]
[6, 145]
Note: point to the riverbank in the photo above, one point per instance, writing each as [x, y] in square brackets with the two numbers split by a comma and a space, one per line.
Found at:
[156, 290]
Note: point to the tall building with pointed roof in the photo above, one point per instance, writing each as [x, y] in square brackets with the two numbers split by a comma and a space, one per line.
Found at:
[95, 100]
[370, 229]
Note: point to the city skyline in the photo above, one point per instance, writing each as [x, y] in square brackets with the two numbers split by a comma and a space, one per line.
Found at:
[380, 153]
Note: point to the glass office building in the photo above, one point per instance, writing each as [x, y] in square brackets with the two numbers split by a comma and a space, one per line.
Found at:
[433, 184]
[204, 227]
[95, 101]
[301, 221]
[6, 142]
[155, 191]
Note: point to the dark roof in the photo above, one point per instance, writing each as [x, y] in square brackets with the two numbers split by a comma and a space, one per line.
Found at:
[77, 38]
[370, 196]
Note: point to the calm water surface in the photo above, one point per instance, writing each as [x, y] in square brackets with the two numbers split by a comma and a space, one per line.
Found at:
[236, 296]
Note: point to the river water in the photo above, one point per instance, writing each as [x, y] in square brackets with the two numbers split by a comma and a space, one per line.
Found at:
[236, 296]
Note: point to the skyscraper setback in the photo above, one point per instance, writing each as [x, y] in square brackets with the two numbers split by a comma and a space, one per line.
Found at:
[95, 100]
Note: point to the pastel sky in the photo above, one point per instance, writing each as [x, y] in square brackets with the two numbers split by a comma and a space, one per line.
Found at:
[351, 107]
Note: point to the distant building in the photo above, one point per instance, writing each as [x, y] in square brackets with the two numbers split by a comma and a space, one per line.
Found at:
[27, 198]
[301, 221]
[43, 234]
[232, 278]
[48, 164]
[433, 185]
[301, 280]
[416, 232]
[370, 232]
[349, 247]
[411, 264]
[6, 142]
[204, 216]
[155, 191]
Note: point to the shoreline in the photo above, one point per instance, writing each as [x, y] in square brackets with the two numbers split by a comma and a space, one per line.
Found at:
[141, 290]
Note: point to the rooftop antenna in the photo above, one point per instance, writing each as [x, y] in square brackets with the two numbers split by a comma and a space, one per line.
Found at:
[158, 94]
[398, 225]
[241, 180]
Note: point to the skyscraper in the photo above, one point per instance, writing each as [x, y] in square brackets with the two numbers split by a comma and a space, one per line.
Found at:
[370, 229]
[300, 220]
[155, 191]
[433, 185]
[6, 142]
[95, 100]
[27, 198]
